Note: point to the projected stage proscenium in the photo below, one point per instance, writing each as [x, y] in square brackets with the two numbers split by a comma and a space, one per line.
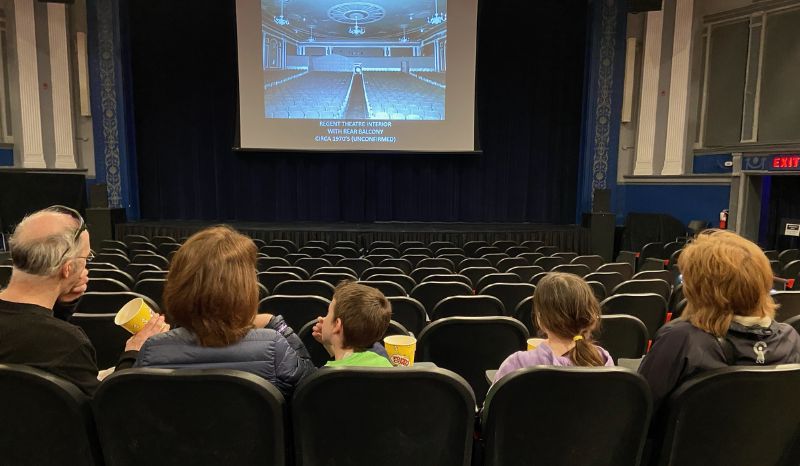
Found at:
[355, 60]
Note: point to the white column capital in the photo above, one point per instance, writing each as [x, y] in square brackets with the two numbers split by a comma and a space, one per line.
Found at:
[645, 145]
[678, 119]
[32, 152]
[62, 92]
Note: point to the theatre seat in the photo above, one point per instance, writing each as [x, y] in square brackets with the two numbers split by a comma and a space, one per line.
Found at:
[45, 420]
[194, 417]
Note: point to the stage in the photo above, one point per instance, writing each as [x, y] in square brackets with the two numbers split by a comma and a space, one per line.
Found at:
[569, 238]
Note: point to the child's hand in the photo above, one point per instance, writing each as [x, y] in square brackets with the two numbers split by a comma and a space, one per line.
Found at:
[317, 331]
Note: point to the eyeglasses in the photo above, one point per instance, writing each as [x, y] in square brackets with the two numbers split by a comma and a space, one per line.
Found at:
[88, 258]
[77, 216]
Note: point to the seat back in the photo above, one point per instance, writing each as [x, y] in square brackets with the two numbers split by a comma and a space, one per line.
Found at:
[471, 247]
[622, 336]
[118, 260]
[473, 262]
[159, 240]
[419, 274]
[296, 310]
[107, 285]
[142, 246]
[493, 278]
[107, 338]
[152, 259]
[654, 250]
[312, 251]
[495, 258]
[415, 259]
[130, 239]
[45, 420]
[376, 259]
[625, 269]
[789, 255]
[117, 275]
[537, 278]
[430, 293]
[389, 289]
[111, 244]
[107, 303]
[671, 248]
[5, 275]
[385, 252]
[406, 245]
[650, 308]
[285, 243]
[299, 271]
[381, 244]
[653, 275]
[515, 251]
[609, 279]
[795, 323]
[272, 279]
[567, 256]
[657, 286]
[481, 252]
[469, 346]
[791, 271]
[511, 294]
[402, 264]
[454, 258]
[708, 416]
[504, 265]
[475, 274]
[165, 248]
[359, 266]
[409, 313]
[526, 272]
[436, 246]
[418, 252]
[439, 262]
[448, 278]
[292, 258]
[311, 265]
[258, 242]
[610, 421]
[347, 244]
[503, 245]
[265, 263]
[593, 262]
[574, 269]
[319, 288]
[547, 250]
[153, 288]
[549, 263]
[333, 278]
[532, 245]
[317, 244]
[184, 426]
[405, 281]
[789, 302]
[531, 257]
[274, 251]
[467, 306]
[402, 432]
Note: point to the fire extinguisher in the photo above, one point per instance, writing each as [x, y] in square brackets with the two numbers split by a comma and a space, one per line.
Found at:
[723, 219]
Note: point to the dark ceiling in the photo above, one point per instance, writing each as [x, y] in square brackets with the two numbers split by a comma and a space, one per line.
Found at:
[382, 19]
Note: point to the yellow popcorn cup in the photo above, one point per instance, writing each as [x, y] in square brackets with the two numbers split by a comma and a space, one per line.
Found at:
[534, 342]
[401, 349]
[134, 315]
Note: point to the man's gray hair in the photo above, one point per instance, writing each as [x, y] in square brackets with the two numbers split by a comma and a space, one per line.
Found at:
[43, 256]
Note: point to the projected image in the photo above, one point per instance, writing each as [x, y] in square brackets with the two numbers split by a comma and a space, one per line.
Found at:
[330, 60]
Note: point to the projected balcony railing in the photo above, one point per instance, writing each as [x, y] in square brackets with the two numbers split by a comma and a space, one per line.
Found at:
[275, 77]
[316, 95]
[399, 96]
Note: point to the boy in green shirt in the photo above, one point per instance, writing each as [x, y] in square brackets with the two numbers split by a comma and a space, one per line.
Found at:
[358, 316]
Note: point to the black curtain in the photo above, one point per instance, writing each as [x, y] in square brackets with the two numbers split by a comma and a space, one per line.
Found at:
[529, 90]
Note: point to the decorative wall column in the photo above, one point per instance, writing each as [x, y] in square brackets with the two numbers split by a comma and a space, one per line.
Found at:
[109, 70]
[602, 101]
[645, 144]
[60, 85]
[32, 152]
[679, 89]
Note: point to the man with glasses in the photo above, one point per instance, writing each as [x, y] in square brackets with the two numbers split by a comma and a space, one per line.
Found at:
[50, 249]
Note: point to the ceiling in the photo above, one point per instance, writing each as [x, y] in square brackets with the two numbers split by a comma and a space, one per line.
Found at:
[382, 19]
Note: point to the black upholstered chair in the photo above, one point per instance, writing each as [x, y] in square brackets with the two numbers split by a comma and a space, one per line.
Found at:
[523, 313]
[319, 288]
[473, 262]
[650, 308]
[531, 257]
[469, 346]
[625, 269]
[402, 264]
[593, 262]
[107, 303]
[118, 260]
[504, 265]
[789, 302]
[436, 246]
[475, 274]
[356, 265]
[164, 249]
[526, 272]
[296, 310]
[313, 251]
[152, 259]
[547, 250]
[657, 286]
[360, 395]
[381, 244]
[106, 285]
[274, 251]
[493, 278]
[471, 247]
[609, 279]
[389, 289]
[405, 281]
[265, 263]
[108, 339]
[532, 245]
[419, 274]
[495, 258]
[409, 312]
[299, 271]
[438, 262]
[503, 245]
[695, 411]
[284, 243]
[429, 294]
[45, 420]
[548, 263]
[467, 306]
[311, 265]
[117, 275]
[333, 278]
[511, 294]
[567, 256]
[292, 258]
[616, 398]
[448, 278]
[184, 427]
[271, 279]
[623, 337]
[406, 245]
[599, 290]
[575, 269]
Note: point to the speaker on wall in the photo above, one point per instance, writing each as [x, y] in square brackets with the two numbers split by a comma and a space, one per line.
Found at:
[639, 6]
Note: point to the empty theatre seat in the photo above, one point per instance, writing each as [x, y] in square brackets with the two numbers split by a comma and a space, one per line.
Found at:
[318, 94]
[608, 425]
[201, 417]
[427, 419]
[45, 420]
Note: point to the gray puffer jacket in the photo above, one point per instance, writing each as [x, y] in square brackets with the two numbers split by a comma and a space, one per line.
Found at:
[274, 353]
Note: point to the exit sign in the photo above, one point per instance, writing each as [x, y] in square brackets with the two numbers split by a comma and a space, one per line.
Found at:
[784, 162]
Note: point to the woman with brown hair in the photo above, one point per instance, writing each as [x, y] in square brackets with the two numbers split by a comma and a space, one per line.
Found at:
[566, 310]
[729, 318]
[211, 294]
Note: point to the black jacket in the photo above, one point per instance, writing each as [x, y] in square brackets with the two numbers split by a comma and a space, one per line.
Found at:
[681, 350]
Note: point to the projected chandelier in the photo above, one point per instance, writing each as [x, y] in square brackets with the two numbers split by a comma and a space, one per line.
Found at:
[281, 20]
[355, 13]
[311, 38]
[404, 39]
[438, 18]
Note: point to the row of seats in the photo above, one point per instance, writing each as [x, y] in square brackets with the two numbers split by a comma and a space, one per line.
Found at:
[206, 417]
[400, 96]
[319, 94]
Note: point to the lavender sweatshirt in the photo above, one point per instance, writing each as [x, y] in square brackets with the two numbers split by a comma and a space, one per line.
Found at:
[541, 356]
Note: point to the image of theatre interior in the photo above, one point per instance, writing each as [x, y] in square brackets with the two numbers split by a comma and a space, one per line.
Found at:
[355, 60]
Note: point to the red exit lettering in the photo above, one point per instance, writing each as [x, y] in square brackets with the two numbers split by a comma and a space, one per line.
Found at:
[786, 162]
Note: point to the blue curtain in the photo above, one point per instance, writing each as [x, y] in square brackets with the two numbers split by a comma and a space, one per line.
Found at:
[529, 93]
